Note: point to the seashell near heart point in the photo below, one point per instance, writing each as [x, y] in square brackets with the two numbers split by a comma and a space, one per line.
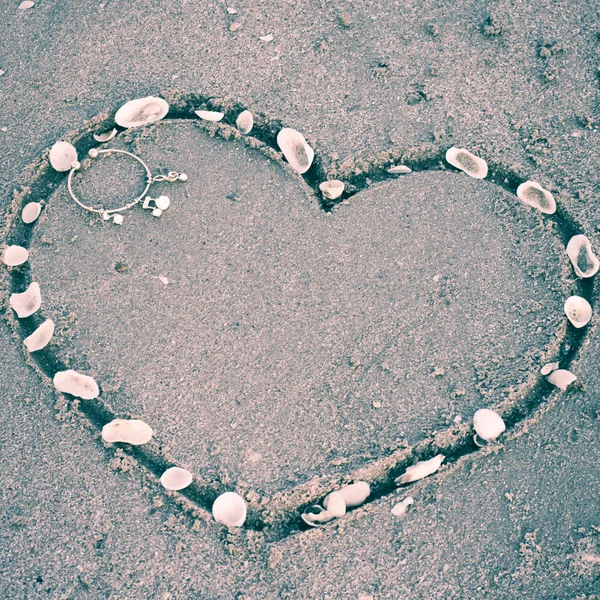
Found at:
[488, 424]
[40, 337]
[245, 122]
[578, 311]
[421, 470]
[316, 516]
[548, 368]
[176, 479]
[210, 115]
[399, 170]
[332, 189]
[62, 156]
[354, 494]
[295, 149]
[229, 509]
[13, 256]
[141, 111]
[28, 302]
[127, 431]
[106, 136]
[465, 161]
[31, 211]
[561, 378]
[533, 194]
[579, 250]
[400, 509]
[335, 504]
[74, 383]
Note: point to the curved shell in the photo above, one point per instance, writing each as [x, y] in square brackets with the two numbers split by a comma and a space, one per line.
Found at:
[141, 111]
[13, 256]
[62, 156]
[316, 516]
[332, 189]
[229, 509]
[579, 251]
[533, 194]
[488, 424]
[561, 378]
[400, 509]
[210, 115]
[127, 431]
[245, 122]
[465, 161]
[76, 384]
[578, 311]
[399, 170]
[355, 494]
[31, 211]
[106, 136]
[548, 368]
[335, 504]
[40, 337]
[295, 149]
[175, 479]
[422, 469]
[28, 302]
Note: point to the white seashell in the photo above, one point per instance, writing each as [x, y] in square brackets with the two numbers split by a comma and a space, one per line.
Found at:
[76, 384]
[295, 149]
[548, 368]
[332, 189]
[26, 303]
[355, 494]
[579, 250]
[533, 194]
[26, 4]
[175, 479]
[106, 136]
[488, 424]
[335, 504]
[245, 122]
[561, 378]
[62, 156]
[128, 431]
[399, 169]
[31, 212]
[162, 202]
[422, 469]
[141, 111]
[316, 516]
[266, 38]
[210, 115]
[400, 509]
[578, 311]
[13, 256]
[229, 509]
[40, 337]
[465, 161]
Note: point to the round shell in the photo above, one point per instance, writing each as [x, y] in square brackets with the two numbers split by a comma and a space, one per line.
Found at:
[28, 302]
[355, 494]
[548, 368]
[533, 194]
[561, 378]
[332, 189]
[579, 251]
[141, 111]
[335, 504]
[465, 161]
[210, 115]
[245, 122]
[106, 136]
[175, 479]
[399, 170]
[76, 384]
[14, 256]
[62, 156]
[31, 212]
[229, 509]
[40, 337]
[127, 431]
[488, 424]
[578, 311]
[295, 149]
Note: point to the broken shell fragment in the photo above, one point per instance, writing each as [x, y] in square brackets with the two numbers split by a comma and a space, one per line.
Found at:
[561, 378]
[533, 194]
[354, 494]
[335, 504]
[40, 337]
[28, 302]
[245, 122]
[31, 212]
[266, 38]
[210, 115]
[106, 136]
[400, 509]
[62, 156]
[176, 479]
[76, 384]
[422, 469]
[316, 516]
[229, 509]
[488, 424]
[465, 161]
[579, 250]
[578, 311]
[332, 189]
[127, 431]
[399, 169]
[26, 4]
[13, 256]
[548, 368]
[295, 149]
[141, 111]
